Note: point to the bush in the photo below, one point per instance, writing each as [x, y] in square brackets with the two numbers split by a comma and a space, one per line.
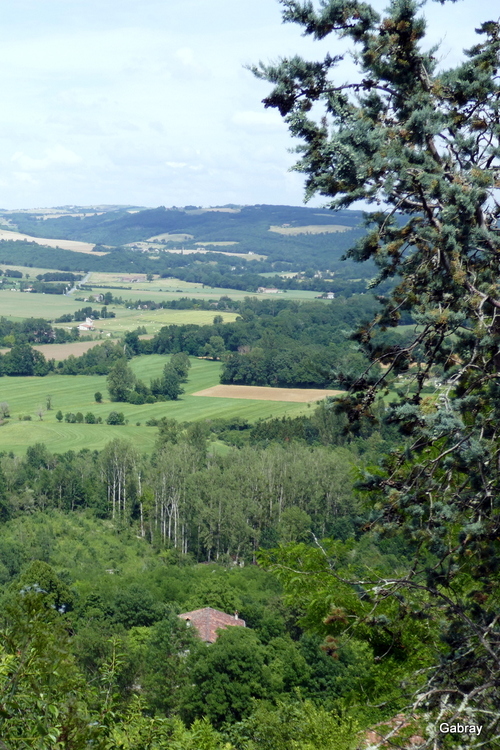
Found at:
[115, 417]
[136, 398]
[70, 417]
[98, 397]
[90, 418]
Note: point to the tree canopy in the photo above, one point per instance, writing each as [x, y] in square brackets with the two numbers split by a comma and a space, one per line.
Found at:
[420, 144]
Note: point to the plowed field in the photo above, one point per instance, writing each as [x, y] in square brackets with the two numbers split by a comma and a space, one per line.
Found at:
[263, 393]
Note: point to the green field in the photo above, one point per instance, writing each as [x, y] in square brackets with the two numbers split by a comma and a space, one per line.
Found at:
[76, 393]
[21, 305]
[153, 320]
[170, 288]
[28, 272]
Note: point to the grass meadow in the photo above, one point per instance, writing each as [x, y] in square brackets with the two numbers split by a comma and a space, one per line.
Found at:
[20, 305]
[76, 393]
[171, 288]
[153, 320]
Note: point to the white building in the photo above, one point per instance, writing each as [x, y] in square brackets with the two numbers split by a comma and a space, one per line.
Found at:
[87, 326]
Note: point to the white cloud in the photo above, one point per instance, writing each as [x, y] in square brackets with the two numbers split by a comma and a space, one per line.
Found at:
[152, 105]
[185, 55]
[24, 177]
[58, 156]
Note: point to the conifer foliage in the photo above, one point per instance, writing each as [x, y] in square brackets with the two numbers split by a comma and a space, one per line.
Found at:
[421, 145]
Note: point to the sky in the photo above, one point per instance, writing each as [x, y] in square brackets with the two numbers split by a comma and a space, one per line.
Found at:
[149, 102]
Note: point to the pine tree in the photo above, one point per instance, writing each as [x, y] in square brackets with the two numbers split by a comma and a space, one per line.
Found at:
[422, 146]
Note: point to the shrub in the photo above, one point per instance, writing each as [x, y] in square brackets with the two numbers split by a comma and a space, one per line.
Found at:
[115, 417]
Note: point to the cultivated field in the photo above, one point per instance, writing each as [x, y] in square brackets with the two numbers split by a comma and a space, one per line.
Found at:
[310, 229]
[262, 393]
[76, 393]
[62, 351]
[74, 245]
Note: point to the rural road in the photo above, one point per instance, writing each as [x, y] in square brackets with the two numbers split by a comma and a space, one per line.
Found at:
[83, 281]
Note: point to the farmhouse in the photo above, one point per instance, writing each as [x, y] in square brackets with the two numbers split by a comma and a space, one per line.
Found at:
[207, 621]
[267, 290]
[87, 326]
[326, 295]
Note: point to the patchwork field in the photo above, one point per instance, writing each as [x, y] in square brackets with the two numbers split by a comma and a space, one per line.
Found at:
[20, 305]
[76, 393]
[264, 393]
[167, 289]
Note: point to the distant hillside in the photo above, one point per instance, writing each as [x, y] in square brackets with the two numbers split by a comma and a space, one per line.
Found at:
[248, 226]
[232, 247]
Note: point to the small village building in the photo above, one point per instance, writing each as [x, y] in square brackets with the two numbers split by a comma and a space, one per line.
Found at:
[208, 621]
[268, 290]
[87, 326]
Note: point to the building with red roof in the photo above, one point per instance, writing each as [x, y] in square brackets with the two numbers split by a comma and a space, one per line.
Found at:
[208, 621]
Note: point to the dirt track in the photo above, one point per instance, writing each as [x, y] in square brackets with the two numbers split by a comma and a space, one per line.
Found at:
[263, 393]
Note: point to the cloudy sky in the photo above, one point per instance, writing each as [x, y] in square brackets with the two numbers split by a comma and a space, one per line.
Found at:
[148, 102]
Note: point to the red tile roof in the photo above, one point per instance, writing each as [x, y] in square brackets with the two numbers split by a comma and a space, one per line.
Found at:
[207, 621]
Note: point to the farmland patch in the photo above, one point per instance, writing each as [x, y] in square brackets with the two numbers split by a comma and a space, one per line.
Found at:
[62, 351]
[75, 393]
[264, 393]
[73, 245]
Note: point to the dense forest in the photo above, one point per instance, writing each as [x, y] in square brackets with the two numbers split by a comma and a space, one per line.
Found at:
[103, 550]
